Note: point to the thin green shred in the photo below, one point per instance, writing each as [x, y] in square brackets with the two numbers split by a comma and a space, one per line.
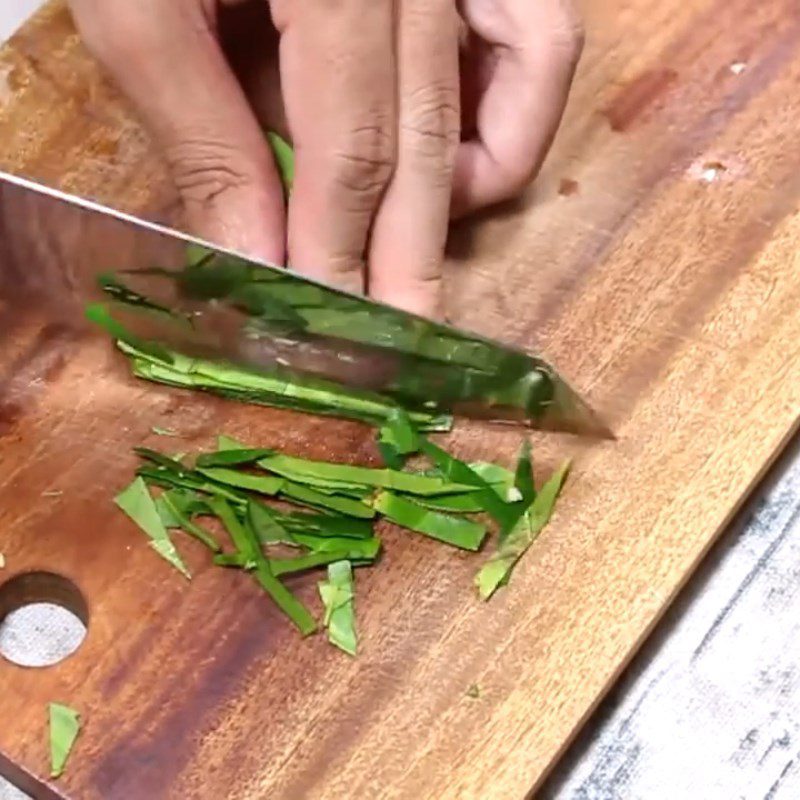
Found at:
[187, 524]
[397, 439]
[309, 394]
[458, 471]
[510, 550]
[243, 543]
[266, 525]
[249, 549]
[337, 594]
[348, 475]
[158, 476]
[499, 478]
[351, 549]
[232, 456]
[284, 159]
[138, 504]
[356, 552]
[324, 524]
[342, 505]
[234, 560]
[457, 531]
[262, 484]
[65, 725]
[284, 599]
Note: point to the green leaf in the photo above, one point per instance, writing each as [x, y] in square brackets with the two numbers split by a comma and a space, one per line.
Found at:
[397, 438]
[231, 457]
[510, 550]
[337, 595]
[351, 549]
[457, 531]
[343, 505]
[285, 600]
[248, 546]
[162, 460]
[138, 504]
[262, 484]
[498, 477]
[185, 523]
[346, 475]
[249, 549]
[237, 560]
[64, 729]
[159, 476]
[467, 503]
[364, 553]
[229, 443]
[324, 524]
[456, 470]
[266, 526]
[284, 159]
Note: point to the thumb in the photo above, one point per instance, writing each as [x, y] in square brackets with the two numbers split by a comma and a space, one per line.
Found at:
[166, 58]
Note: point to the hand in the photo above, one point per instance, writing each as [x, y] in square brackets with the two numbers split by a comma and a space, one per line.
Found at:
[370, 93]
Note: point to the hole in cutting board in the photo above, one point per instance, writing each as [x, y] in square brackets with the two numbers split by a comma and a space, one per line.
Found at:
[43, 619]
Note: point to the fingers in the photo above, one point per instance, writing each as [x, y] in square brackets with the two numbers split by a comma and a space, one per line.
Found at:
[530, 51]
[337, 66]
[408, 239]
[166, 59]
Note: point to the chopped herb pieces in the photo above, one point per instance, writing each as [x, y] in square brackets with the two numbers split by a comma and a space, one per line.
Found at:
[64, 729]
[474, 691]
[457, 531]
[137, 503]
[510, 550]
[270, 541]
[337, 595]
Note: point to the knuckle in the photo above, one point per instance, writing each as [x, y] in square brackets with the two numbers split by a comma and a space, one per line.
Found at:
[364, 165]
[204, 170]
[431, 125]
[569, 34]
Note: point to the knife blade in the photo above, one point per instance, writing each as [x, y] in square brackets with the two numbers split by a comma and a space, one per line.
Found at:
[183, 295]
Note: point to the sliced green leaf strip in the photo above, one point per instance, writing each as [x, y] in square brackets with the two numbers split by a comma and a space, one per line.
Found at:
[337, 595]
[138, 504]
[263, 484]
[457, 531]
[65, 726]
[509, 551]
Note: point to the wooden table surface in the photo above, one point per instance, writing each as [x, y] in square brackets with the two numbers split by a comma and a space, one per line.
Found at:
[665, 287]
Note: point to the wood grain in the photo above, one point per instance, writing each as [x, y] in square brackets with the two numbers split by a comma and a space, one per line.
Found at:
[665, 288]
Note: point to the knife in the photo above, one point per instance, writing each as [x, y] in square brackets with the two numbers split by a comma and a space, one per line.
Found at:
[178, 294]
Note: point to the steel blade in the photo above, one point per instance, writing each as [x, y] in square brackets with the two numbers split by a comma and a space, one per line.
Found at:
[183, 295]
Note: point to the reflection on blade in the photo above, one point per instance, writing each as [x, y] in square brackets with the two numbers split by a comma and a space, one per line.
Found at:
[192, 316]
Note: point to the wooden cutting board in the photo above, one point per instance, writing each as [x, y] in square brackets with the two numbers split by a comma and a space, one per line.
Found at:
[655, 262]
